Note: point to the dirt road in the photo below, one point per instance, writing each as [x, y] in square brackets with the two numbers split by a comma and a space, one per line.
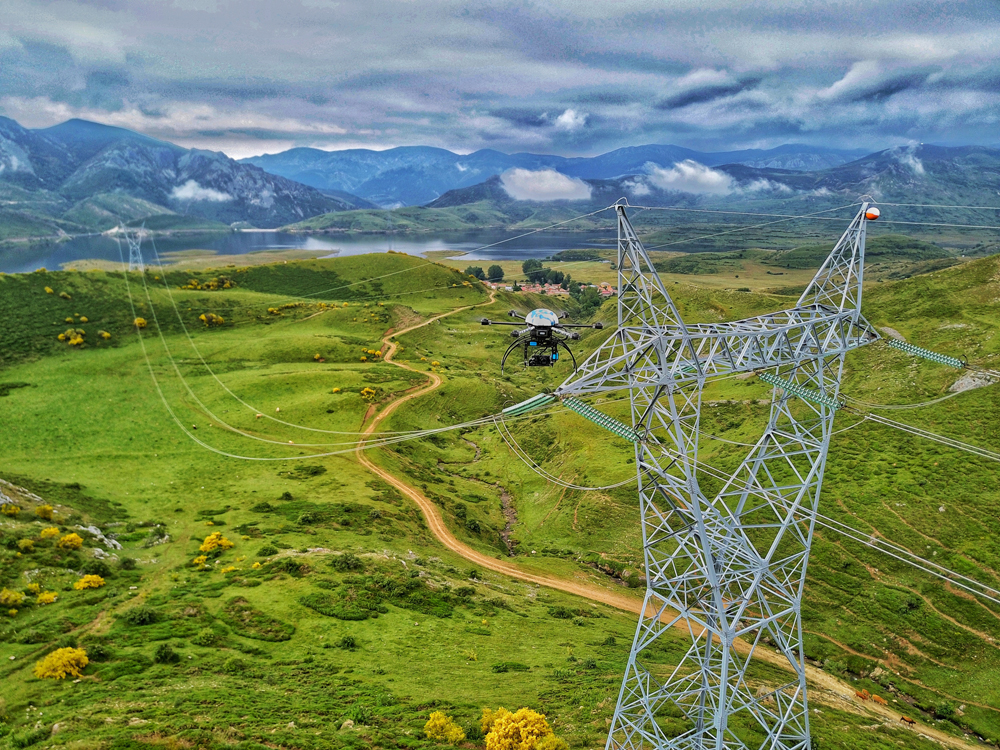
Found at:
[824, 688]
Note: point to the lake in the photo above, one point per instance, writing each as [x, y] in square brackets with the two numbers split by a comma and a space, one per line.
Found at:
[470, 246]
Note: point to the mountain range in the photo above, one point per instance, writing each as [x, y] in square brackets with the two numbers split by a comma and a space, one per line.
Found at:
[415, 175]
[81, 174]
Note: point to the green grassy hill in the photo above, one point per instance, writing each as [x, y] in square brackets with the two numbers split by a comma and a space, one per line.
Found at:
[336, 603]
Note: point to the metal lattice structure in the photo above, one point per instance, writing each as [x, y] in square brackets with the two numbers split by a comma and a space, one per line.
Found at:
[727, 565]
[134, 241]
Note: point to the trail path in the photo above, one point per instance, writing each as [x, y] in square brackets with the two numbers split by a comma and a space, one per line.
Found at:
[824, 687]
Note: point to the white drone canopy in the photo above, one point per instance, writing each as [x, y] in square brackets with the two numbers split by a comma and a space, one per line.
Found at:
[541, 317]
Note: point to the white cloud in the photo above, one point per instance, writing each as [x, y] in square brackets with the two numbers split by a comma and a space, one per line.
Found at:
[689, 176]
[907, 158]
[543, 185]
[571, 120]
[637, 187]
[192, 191]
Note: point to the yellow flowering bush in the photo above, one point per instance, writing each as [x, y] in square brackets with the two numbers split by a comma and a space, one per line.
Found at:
[211, 319]
[70, 541]
[10, 598]
[65, 295]
[62, 663]
[47, 597]
[34, 588]
[104, 334]
[215, 541]
[139, 322]
[368, 394]
[48, 533]
[9, 509]
[89, 582]
[521, 730]
[443, 728]
[335, 390]
[44, 511]
[199, 560]
[84, 319]
[228, 569]
[255, 566]
[12, 613]
[25, 545]
[49, 290]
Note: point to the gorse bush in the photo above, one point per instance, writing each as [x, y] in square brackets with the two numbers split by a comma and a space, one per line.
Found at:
[44, 511]
[215, 544]
[10, 598]
[347, 562]
[70, 541]
[62, 663]
[164, 654]
[443, 728]
[522, 730]
[89, 582]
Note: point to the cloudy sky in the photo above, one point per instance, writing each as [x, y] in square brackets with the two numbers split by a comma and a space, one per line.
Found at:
[575, 77]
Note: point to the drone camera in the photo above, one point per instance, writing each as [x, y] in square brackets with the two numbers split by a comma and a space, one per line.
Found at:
[485, 321]
[598, 325]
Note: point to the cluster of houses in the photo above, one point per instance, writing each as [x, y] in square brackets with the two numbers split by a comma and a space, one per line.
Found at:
[604, 288]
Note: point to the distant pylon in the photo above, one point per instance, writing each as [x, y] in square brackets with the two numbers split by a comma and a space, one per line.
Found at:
[134, 253]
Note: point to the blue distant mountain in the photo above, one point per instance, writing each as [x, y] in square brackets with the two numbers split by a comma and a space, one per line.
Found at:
[83, 175]
[416, 175]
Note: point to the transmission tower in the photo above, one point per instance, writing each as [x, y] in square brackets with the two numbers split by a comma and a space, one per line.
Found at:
[134, 253]
[725, 554]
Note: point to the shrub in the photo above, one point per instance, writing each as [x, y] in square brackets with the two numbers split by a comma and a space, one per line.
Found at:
[44, 511]
[211, 319]
[97, 568]
[9, 509]
[62, 663]
[521, 730]
[443, 728]
[89, 582]
[47, 597]
[65, 295]
[164, 654]
[25, 545]
[551, 742]
[127, 563]
[10, 598]
[348, 643]
[141, 615]
[70, 541]
[48, 533]
[267, 550]
[347, 562]
[139, 322]
[215, 542]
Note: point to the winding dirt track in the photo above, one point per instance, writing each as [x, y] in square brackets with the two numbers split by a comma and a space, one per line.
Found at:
[824, 688]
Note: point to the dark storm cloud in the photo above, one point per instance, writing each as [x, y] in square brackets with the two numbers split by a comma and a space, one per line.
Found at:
[703, 94]
[569, 76]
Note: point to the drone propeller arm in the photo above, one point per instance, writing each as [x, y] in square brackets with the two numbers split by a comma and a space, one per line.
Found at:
[509, 350]
[488, 322]
[582, 325]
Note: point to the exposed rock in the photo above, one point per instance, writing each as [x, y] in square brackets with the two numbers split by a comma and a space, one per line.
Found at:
[972, 380]
[347, 725]
[892, 333]
[109, 543]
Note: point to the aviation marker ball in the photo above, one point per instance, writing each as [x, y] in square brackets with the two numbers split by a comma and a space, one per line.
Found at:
[872, 213]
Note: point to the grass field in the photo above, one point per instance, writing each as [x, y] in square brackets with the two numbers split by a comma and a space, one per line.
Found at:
[282, 654]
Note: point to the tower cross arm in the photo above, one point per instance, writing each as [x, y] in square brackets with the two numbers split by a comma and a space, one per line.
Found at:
[645, 356]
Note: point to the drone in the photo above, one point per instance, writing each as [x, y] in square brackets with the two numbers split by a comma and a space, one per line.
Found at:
[541, 340]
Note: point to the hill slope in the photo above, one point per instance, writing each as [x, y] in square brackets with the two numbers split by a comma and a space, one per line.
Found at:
[285, 652]
[60, 169]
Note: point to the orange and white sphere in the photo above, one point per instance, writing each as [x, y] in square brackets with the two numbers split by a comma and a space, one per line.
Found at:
[872, 213]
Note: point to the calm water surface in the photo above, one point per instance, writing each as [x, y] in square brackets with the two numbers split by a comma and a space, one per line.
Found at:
[467, 246]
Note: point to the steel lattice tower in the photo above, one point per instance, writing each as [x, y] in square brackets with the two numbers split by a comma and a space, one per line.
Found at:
[134, 251]
[728, 565]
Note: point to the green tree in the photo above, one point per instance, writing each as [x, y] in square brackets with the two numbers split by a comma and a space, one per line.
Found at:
[494, 273]
[533, 269]
[476, 271]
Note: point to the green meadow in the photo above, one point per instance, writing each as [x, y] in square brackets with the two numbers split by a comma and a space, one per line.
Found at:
[336, 619]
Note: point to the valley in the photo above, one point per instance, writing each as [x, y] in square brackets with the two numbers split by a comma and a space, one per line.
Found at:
[369, 574]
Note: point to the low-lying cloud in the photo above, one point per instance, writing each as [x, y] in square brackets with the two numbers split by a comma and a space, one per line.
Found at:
[543, 185]
[192, 191]
[689, 176]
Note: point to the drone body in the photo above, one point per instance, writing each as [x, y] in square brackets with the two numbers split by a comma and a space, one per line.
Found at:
[540, 340]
